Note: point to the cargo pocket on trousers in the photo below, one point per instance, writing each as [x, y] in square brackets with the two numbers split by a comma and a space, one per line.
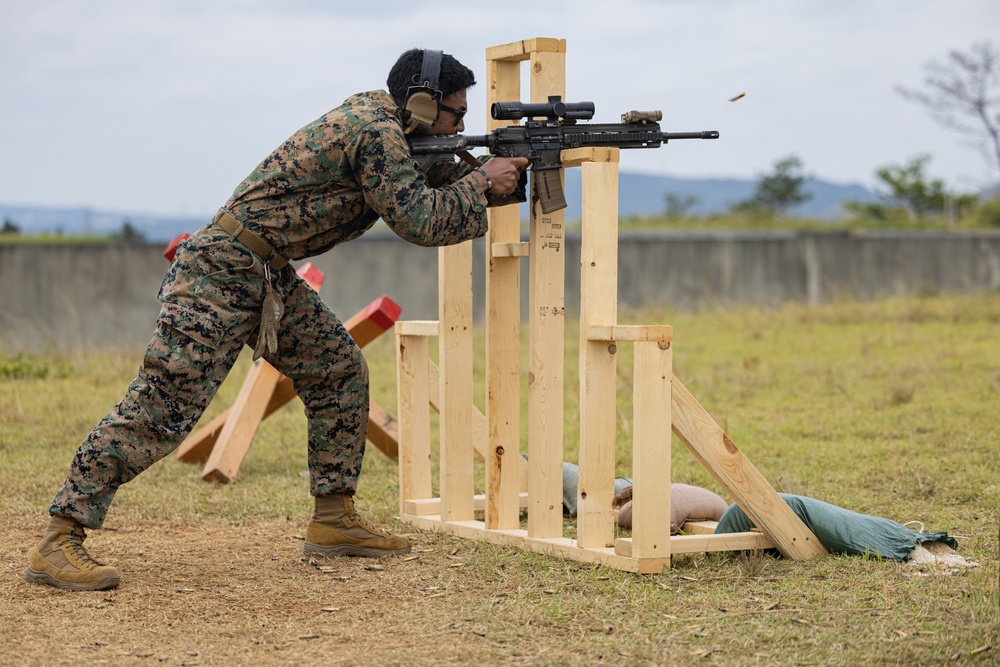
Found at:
[203, 327]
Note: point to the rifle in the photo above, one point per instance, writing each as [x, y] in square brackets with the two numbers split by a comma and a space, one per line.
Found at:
[551, 128]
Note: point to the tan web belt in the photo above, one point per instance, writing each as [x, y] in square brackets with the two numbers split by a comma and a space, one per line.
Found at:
[257, 245]
[272, 309]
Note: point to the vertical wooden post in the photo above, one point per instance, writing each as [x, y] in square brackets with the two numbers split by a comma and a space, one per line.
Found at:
[546, 325]
[503, 332]
[598, 306]
[455, 344]
[412, 370]
[651, 450]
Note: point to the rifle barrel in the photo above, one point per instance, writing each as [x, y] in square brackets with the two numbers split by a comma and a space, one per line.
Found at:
[707, 134]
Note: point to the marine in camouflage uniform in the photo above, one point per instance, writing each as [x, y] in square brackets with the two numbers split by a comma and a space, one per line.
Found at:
[326, 184]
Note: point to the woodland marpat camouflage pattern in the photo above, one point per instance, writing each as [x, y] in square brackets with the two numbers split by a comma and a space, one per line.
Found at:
[328, 183]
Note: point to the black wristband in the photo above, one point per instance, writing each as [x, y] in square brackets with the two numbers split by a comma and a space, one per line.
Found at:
[489, 183]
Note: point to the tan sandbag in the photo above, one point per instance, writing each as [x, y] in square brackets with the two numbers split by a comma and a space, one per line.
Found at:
[687, 503]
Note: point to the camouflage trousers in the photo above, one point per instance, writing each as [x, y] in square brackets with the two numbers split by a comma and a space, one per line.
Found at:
[210, 307]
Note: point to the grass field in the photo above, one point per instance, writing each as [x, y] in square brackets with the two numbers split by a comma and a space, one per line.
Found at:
[887, 408]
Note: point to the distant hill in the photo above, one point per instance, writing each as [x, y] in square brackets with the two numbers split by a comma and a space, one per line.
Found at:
[639, 194]
[35, 220]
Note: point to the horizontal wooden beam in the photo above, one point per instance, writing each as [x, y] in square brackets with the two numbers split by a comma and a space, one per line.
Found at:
[555, 546]
[687, 544]
[431, 506]
[575, 157]
[699, 527]
[637, 333]
[426, 328]
[522, 50]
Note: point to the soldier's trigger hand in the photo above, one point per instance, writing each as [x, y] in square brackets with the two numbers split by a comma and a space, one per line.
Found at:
[505, 173]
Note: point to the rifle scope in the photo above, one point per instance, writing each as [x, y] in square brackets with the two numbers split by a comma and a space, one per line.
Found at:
[554, 109]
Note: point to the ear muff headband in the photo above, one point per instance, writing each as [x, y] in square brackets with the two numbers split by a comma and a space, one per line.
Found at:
[422, 98]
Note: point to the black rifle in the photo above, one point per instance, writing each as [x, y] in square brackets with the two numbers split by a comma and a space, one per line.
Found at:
[550, 129]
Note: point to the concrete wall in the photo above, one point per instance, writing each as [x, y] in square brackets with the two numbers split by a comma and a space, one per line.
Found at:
[69, 297]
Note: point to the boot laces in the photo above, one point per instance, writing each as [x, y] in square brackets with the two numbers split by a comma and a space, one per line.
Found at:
[358, 520]
[74, 542]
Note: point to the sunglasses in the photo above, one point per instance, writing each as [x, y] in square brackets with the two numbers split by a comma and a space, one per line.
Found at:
[459, 113]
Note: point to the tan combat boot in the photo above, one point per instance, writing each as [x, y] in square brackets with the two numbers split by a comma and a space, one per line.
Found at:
[337, 529]
[60, 560]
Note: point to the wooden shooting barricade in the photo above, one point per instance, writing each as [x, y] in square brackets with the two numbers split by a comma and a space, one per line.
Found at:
[661, 403]
[223, 443]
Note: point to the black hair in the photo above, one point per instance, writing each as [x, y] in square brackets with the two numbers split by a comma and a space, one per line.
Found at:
[454, 75]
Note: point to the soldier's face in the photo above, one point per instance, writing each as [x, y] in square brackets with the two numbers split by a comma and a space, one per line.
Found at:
[450, 119]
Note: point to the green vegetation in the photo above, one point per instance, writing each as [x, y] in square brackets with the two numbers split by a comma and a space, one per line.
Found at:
[776, 192]
[25, 366]
[909, 194]
[887, 408]
[910, 199]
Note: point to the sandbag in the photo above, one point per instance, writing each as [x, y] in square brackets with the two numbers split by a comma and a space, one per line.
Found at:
[842, 531]
[571, 479]
[687, 503]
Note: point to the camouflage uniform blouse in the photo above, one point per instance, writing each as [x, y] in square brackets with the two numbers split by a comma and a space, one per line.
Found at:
[333, 179]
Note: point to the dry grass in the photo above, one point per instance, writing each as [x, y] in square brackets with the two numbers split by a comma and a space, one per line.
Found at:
[887, 408]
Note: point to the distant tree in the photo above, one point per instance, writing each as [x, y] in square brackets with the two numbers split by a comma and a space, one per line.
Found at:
[987, 214]
[778, 191]
[963, 94]
[678, 206]
[908, 192]
[9, 227]
[129, 234]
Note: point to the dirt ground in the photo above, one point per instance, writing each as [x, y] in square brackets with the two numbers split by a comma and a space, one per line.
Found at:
[240, 596]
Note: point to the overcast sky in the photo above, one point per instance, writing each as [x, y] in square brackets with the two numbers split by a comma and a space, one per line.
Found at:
[164, 106]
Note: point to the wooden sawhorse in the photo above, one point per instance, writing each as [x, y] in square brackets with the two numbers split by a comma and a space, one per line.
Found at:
[223, 443]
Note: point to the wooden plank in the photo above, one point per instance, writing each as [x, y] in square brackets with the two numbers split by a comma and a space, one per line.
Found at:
[455, 345]
[699, 527]
[502, 453]
[432, 506]
[598, 360]
[724, 460]
[546, 327]
[651, 450]
[383, 430]
[377, 318]
[480, 427]
[555, 546]
[686, 544]
[242, 423]
[637, 333]
[412, 368]
[523, 50]
[517, 249]
[428, 328]
[575, 157]
[197, 447]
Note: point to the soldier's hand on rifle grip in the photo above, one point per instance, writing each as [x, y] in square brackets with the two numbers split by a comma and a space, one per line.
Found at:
[504, 173]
